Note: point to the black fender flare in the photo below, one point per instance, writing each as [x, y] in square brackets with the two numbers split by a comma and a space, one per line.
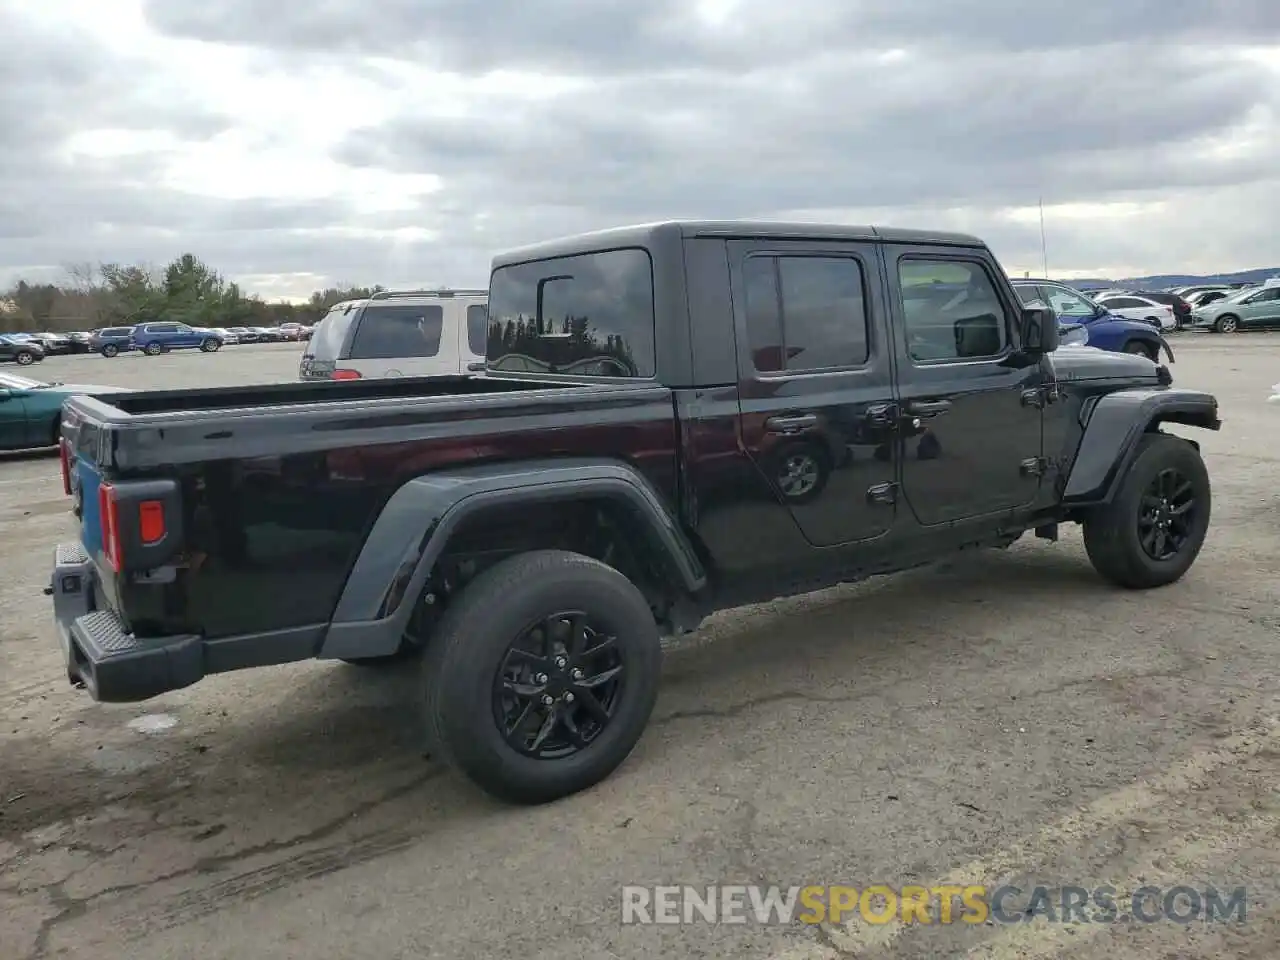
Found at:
[1113, 425]
[414, 526]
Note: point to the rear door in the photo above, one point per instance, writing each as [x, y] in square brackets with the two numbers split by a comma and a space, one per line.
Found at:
[392, 339]
[815, 384]
[974, 442]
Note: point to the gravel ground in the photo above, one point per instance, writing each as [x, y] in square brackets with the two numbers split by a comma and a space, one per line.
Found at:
[1004, 718]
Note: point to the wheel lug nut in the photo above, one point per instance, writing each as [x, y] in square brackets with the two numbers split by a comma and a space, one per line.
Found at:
[547, 700]
[540, 678]
[576, 673]
[561, 661]
[568, 697]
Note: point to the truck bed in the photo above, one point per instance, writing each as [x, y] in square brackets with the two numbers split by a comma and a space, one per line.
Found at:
[275, 487]
[168, 428]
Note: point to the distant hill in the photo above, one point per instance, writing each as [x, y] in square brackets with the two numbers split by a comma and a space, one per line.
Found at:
[1162, 280]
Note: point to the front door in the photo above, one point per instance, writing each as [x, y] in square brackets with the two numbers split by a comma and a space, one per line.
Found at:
[815, 384]
[13, 419]
[970, 400]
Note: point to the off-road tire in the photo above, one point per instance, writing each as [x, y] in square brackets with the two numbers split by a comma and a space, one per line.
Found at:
[1111, 530]
[110, 350]
[470, 641]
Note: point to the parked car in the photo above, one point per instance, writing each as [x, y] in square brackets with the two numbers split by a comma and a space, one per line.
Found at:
[1142, 308]
[31, 410]
[224, 334]
[243, 334]
[110, 341]
[21, 352]
[81, 341]
[1181, 308]
[154, 339]
[407, 333]
[1253, 308]
[1205, 297]
[53, 343]
[291, 331]
[1105, 330]
[533, 535]
[267, 335]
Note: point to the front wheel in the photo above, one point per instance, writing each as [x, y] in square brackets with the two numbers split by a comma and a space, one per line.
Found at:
[1152, 532]
[25, 358]
[541, 676]
[110, 350]
[153, 349]
[210, 345]
[1227, 324]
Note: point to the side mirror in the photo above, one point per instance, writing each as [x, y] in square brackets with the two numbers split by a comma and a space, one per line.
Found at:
[1039, 331]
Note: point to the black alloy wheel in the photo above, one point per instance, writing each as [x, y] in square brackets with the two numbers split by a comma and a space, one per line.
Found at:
[1167, 514]
[558, 686]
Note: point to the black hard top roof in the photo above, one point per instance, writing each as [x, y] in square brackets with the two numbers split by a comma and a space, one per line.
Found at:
[647, 234]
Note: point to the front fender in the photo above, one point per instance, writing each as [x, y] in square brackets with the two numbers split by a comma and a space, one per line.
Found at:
[416, 523]
[1114, 424]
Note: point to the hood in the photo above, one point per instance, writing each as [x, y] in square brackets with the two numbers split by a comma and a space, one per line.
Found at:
[1089, 363]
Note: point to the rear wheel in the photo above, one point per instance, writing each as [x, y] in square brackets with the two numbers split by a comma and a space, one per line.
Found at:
[210, 345]
[25, 358]
[1227, 324]
[1152, 532]
[541, 676]
[110, 350]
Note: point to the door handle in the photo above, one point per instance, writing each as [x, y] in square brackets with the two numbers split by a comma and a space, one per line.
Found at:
[882, 414]
[929, 408]
[791, 424]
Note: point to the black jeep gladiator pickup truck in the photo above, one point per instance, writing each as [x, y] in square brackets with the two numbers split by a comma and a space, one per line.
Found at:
[674, 419]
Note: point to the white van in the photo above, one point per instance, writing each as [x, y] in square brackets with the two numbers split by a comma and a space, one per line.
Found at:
[400, 333]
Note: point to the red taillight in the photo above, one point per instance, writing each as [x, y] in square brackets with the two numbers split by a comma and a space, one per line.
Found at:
[151, 528]
[345, 375]
[64, 456]
[109, 518]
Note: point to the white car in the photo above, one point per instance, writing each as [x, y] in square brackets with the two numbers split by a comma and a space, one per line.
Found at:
[1131, 306]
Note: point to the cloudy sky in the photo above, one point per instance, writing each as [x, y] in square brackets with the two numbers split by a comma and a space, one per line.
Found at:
[296, 144]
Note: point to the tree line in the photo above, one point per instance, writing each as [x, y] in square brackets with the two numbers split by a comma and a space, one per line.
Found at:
[186, 290]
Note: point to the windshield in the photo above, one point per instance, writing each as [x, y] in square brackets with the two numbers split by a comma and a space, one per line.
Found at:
[20, 383]
[1240, 295]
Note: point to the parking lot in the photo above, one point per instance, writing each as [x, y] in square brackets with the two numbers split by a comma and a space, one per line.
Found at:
[1006, 717]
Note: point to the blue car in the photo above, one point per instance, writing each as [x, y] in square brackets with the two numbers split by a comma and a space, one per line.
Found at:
[154, 339]
[1105, 330]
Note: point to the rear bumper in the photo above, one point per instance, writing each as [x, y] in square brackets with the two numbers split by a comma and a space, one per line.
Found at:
[100, 654]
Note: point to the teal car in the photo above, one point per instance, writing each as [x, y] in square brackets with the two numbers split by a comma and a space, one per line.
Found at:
[1254, 308]
[31, 410]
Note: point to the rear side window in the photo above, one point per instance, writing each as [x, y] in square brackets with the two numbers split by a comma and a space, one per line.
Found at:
[398, 330]
[328, 336]
[477, 328]
[590, 314]
[805, 313]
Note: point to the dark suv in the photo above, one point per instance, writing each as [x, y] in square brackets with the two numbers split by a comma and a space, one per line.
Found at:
[110, 341]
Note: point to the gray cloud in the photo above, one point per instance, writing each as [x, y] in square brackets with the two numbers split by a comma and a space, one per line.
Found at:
[913, 112]
[616, 36]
